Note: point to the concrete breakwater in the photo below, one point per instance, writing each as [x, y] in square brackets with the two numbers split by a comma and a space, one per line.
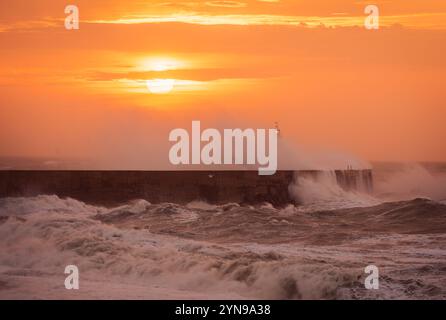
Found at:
[113, 187]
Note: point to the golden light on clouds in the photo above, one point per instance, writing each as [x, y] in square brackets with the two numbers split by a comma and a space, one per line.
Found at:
[421, 21]
[160, 86]
[160, 64]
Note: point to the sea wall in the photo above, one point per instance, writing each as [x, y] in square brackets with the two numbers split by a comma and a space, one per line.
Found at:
[113, 187]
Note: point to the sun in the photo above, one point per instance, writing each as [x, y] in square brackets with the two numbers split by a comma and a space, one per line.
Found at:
[160, 86]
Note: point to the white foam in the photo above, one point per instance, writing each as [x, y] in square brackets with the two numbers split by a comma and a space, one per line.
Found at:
[322, 192]
[44, 204]
[137, 206]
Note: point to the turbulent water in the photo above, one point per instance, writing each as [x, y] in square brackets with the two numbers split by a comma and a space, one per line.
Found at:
[314, 251]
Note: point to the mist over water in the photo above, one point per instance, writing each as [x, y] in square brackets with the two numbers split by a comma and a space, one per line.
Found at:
[407, 181]
[153, 154]
[294, 156]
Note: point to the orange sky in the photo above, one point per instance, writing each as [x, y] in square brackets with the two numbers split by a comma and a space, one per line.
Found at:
[310, 65]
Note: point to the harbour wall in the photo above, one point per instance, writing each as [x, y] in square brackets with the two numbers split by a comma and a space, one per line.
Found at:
[114, 187]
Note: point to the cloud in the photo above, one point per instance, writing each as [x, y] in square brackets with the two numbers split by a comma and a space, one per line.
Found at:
[226, 4]
[416, 21]
[210, 74]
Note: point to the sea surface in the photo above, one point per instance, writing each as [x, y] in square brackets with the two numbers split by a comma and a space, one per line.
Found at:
[317, 250]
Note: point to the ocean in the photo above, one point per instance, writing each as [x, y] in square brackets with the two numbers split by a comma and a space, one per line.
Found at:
[316, 250]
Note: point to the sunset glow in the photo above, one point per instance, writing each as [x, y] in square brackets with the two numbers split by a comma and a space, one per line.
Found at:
[160, 86]
[309, 65]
